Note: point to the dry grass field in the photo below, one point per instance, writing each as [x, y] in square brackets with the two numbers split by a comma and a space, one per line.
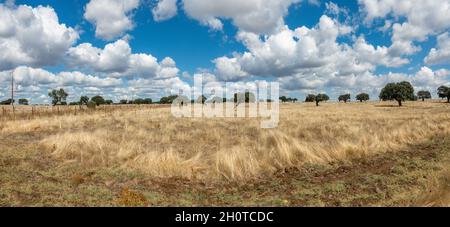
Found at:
[355, 154]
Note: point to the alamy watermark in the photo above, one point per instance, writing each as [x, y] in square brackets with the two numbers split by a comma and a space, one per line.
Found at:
[259, 99]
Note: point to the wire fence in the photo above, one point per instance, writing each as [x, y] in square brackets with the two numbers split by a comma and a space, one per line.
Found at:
[8, 113]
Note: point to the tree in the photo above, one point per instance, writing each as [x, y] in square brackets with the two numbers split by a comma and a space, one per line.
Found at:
[399, 92]
[84, 100]
[139, 101]
[288, 99]
[310, 98]
[248, 98]
[283, 99]
[168, 100]
[23, 102]
[424, 95]
[345, 98]
[321, 98]
[99, 100]
[148, 101]
[58, 97]
[7, 102]
[123, 101]
[444, 92]
[109, 102]
[363, 97]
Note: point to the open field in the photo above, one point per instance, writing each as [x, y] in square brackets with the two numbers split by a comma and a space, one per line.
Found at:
[356, 154]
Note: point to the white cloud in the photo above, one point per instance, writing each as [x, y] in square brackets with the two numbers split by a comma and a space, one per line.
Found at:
[440, 54]
[82, 80]
[314, 2]
[111, 18]
[155, 87]
[304, 51]
[427, 79]
[422, 19]
[164, 10]
[34, 83]
[257, 16]
[229, 69]
[27, 76]
[113, 58]
[32, 36]
[312, 60]
[377, 55]
[117, 60]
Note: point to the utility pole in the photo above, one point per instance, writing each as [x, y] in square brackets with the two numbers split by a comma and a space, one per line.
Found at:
[12, 89]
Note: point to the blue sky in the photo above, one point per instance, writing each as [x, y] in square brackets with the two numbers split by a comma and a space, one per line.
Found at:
[309, 46]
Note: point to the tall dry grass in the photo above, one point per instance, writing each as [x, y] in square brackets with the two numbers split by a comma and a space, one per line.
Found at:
[439, 190]
[153, 141]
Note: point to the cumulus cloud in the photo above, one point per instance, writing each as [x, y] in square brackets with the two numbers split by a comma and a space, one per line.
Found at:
[164, 10]
[117, 60]
[27, 76]
[229, 69]
[257, 16]
[111, 18]
[422, 19]
[32, 36]
[312, 60]
[155, 87]
[304, 51]
[34, 83]
[440, 54]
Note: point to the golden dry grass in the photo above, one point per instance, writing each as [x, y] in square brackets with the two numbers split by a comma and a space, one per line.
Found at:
[438, 190]
[153, 141]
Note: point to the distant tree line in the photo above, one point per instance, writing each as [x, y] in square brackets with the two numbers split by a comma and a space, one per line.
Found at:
[59, 97]
[7, 102]
[288, 99]
[399, 92]
[244, 97]
[138, 101]
[10, 101]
